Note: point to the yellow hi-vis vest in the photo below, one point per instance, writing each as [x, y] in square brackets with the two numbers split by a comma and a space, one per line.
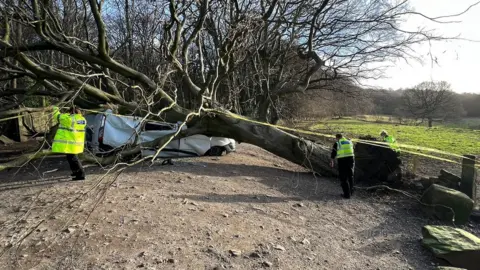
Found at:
[70, 136]
[392, 143]
[344, 148]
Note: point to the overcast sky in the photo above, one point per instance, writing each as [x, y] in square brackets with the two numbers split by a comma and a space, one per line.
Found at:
[458, 61]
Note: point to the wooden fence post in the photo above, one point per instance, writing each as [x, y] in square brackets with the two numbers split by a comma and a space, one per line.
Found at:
[469, 177]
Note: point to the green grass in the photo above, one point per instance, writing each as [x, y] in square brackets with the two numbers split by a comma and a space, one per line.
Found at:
[453, 140]
[467, 122]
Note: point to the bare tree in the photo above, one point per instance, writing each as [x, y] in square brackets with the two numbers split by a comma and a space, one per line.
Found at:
[196, 61]
[432, 101]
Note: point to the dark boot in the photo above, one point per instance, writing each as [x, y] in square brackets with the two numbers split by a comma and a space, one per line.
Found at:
[78, 178]
[346, 190]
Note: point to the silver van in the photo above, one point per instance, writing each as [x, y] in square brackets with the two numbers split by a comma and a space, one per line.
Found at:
[108, 133]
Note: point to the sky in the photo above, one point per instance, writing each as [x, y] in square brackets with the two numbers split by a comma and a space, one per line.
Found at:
[458, 61]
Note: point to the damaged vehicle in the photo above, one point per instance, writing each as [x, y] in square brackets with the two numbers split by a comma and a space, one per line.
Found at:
[108, 133]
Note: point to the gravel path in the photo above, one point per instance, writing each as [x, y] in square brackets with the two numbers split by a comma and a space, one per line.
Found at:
[248, 210]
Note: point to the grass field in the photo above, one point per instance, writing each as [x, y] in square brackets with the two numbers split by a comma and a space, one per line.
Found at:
[454, 140]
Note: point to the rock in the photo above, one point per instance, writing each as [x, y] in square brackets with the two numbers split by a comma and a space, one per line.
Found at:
[255, 254]
[449, 180]
[141, 254]
[24, 255]
[279, 247]
[299, 205]
[69, 230]
[267, 264]
[225, 215]
[441, 200]
[475, 216]
[448, 268]
[458, 247]
[418, 185]
[235, 252]
[171, 261]
[427, 182]
[305, 241]
[142, 265]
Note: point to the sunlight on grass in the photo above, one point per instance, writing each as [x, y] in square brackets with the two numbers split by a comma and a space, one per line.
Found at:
[454, 140]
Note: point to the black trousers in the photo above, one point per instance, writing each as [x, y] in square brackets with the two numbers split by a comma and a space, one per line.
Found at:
[75, 165]
[346, 167]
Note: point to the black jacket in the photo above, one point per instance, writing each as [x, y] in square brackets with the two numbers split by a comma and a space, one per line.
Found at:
[333, 155]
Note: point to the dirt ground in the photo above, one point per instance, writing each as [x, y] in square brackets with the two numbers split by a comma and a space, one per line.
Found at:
[247, 210]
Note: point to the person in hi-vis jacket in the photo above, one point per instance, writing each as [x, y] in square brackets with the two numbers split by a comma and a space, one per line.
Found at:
[343, 151]
[70, 139]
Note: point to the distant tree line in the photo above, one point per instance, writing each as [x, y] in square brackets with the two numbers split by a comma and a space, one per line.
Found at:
[388, 102]
[427, 102]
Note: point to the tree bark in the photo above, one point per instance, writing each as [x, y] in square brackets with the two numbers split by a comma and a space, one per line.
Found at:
[313, 156]
[430, 122]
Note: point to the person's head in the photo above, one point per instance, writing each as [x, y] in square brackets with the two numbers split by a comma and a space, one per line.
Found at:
[383, 133]
[338, 136]
[75, 110]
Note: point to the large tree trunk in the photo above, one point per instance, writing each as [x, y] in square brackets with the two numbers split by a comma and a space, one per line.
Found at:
[375, 164]
[308, 154]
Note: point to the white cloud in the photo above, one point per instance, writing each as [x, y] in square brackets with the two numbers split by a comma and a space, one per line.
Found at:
[458, 61]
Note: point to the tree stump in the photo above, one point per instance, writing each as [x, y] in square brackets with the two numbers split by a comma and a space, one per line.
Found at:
[375, 163]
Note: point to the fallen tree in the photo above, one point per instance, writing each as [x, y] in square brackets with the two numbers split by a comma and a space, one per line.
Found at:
[242, 58]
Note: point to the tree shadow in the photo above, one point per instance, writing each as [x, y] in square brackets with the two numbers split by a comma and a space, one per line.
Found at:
[236, 198]
[399, 233]
[42, 172]
[295, 185]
